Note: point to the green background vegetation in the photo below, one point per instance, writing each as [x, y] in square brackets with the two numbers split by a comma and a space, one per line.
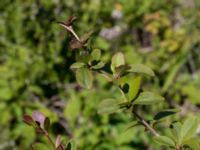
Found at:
[35, 60]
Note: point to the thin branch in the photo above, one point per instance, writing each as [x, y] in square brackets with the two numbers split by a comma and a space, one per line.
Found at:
[144, 123]
[49, 139]
[70, 29]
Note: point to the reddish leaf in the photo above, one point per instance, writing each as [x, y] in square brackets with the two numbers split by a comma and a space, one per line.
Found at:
[28, 120]
[61, 147]
[75, 44]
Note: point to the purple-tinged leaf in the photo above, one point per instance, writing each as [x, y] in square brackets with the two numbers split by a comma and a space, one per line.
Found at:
[58, 141]
[39, 117]
[61, 147]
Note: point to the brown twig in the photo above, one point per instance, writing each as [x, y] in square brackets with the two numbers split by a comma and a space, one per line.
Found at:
[145, 124]
[50, 140]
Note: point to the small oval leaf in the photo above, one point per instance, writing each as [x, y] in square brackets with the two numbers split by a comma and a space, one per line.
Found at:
[141, 69]
[189, 128]
[117, 60]
[28, 120]
[148, 98]
[164, 140]
[108, 106]
[84, 77]
[98, 66]
[77, 65]
[96, 54]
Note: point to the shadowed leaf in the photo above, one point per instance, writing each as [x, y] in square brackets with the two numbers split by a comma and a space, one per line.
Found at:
[96, 54]
[165, 113]
[69, 146]
[84, 77]
[46, 123]
[108, 106]
[28, 120]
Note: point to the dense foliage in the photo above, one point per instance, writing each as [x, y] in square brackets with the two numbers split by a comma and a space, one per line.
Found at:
[35, 74]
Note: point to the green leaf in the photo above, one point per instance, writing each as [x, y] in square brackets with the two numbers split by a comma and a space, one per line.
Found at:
[164, 140]
[141, 69]
[188, 128]
[96, 54]
[121, 70]
[165, 113]
[69, 146]
[46, 123]
[132, 83]
[40, 146]
[77, 65]
[176, 128]
[117, 60]
[108, 106]
[99, 65]
[107, 76]
[84, 77]
[148, 98]
[131, 125]
[193, 143]
[171, 75]
[86, 37]
[83, 56]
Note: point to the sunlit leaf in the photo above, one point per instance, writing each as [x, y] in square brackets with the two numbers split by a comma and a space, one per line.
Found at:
[193, 143]
[189, 128]
[141, 69]
[99, 65]
[148, 98]
[164, 140]
[77, 65]
[117, 60]
[176, 131]
[132, 83]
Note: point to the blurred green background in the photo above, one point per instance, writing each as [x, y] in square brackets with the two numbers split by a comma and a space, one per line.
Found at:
[35, 60]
